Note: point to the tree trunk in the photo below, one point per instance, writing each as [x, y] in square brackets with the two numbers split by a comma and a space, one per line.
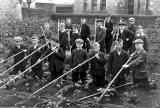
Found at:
[29, 5]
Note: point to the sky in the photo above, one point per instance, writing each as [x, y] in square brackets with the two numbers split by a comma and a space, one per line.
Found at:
[53, 1]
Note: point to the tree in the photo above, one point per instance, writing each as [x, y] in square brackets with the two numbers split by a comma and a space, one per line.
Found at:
[29, 2]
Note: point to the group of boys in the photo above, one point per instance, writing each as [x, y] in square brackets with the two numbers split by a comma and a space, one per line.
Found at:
[79, 54]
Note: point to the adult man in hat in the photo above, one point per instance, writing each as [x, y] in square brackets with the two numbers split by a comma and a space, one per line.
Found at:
[132, 26]
[85, 33]
[126, 35]
[100, 35]
[109, 38]
[138, 64]
[18, 47]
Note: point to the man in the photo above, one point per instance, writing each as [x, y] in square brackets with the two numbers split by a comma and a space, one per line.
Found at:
[85, 33]
[100, 35]
[126, 35]
[132, 26]
[116, 60]
[138, 64]
[15, 50]
[109, 28]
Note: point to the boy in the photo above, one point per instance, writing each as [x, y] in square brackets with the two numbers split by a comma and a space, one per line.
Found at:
[117, 59]
[75, 35]
[16, 49]
[78, 56]
[37, 69]
[100, 35]
[56, 60]
[139, 65]
[63, 38]
[97, 65]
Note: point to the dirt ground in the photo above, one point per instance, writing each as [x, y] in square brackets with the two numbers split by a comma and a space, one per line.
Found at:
[65, 95]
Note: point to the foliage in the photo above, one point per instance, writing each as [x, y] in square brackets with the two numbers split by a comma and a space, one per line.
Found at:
[25, 28]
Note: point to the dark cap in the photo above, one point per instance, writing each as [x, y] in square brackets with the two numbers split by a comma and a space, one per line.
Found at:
[99, 20]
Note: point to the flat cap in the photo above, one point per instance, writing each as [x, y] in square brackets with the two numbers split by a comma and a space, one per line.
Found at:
[95, 44]
[17, 38]
[122, 23]
[79, 40]
[131, 19]
[99, 20]
[55, 38]
[34, 37]
[139, 27]
[138, 41]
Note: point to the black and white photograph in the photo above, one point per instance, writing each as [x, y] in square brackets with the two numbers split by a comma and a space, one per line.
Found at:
[80, 53]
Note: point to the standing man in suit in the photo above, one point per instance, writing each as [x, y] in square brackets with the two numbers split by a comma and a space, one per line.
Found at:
[138, 65]
[100, 35]
[18, 47]
[109, 38]
[85, 33]
[126, 35]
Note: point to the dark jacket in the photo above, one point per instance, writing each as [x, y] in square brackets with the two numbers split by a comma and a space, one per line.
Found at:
[127, 38]
[139, 65]
[63, 40]
[77, 57]
[69, 27]
[56, 60]
[97, 65]
[132, 28]
[109, 27]
[20, 56]
[85, 31]
[34, 57]
[74, 36]
[116, 62]
[100, 38]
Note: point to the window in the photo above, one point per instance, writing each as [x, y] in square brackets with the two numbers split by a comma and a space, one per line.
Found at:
[103, 5]
[94, 5]
[85, 5]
